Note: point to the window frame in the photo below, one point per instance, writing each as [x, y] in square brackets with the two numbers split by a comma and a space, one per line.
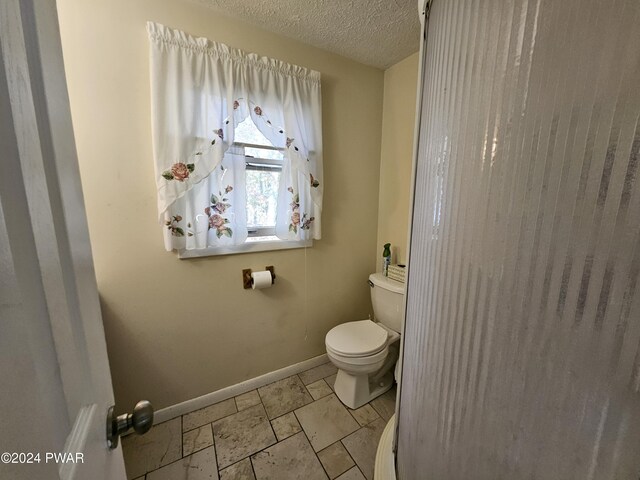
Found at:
[258, 164]
[250, 246]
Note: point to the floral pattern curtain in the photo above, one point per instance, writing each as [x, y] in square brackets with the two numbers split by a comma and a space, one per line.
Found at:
[200, 91]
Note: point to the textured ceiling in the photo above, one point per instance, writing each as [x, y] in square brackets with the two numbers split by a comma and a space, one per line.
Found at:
[374, 32]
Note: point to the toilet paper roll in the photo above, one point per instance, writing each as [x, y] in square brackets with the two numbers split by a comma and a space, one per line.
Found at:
[261, 280]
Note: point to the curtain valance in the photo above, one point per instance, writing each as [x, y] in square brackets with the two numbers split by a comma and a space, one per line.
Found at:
[161, 34]
[201, 90]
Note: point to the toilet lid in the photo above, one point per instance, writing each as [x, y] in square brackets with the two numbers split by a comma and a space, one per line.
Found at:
[356, 338]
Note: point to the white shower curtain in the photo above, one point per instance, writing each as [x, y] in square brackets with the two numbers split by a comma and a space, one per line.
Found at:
[200, 91]
[522, 333]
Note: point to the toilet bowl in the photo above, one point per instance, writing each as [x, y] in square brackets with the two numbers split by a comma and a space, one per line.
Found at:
[365, 351]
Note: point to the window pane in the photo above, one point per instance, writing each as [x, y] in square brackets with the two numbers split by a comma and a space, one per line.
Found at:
[263, 153]
[262, 197]
[247, 132]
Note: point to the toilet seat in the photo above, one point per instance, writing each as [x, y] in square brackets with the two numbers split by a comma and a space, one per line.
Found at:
[356, 363]
[356, 339]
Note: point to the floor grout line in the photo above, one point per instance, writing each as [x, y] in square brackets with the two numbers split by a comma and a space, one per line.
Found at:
[202, 448]
[235, 463]
[215, 448]
[312, 449]
[170, 463]
[253, 468]
[350, 456]
[190, 413]
[272, 429]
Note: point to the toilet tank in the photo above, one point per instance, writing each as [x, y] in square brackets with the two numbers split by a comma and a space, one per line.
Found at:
[387, 297]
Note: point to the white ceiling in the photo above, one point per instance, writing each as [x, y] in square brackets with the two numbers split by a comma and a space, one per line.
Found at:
[374, 32]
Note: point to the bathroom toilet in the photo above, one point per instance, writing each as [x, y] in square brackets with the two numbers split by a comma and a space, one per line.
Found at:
[366, 351]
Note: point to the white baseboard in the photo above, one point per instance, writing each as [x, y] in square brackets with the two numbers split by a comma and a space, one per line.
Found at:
[197, 403]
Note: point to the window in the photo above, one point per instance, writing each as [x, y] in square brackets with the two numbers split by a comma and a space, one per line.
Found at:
[263, 173]
[263, 170]
[237, 147]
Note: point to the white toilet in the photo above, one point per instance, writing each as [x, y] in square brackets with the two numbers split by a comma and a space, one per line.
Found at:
[366, 351]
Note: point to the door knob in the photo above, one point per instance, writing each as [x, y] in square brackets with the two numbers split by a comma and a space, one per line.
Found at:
[140, 420]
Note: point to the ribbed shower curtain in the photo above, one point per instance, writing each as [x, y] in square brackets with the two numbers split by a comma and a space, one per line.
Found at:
[522, 336]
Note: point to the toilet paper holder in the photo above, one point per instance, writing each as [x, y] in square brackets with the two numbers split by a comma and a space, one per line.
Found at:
[247, 281]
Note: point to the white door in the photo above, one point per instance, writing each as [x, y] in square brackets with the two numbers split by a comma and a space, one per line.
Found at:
[55, 384]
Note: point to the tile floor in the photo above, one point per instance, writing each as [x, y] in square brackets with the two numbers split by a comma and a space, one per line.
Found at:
[295, 428]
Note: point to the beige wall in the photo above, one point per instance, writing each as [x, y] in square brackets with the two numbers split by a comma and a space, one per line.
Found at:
[398, 119]
[177, 329]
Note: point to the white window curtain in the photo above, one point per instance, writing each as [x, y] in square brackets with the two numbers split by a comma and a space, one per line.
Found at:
[200, 91]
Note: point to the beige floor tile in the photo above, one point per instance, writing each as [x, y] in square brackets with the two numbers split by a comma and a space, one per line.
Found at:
[238, 471]
[385, 404]
[331, 380]
[363, 444]
[199, 466]
[292, 459]
[364, 415]
[158, 447]
[284, 396]
[208, 414]
[247, 400]
[242, 434]
[335, 459]
[353, 474]
[285, 426]
[326, 421]
[319, 389]
[195, 440]
[316, 373]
